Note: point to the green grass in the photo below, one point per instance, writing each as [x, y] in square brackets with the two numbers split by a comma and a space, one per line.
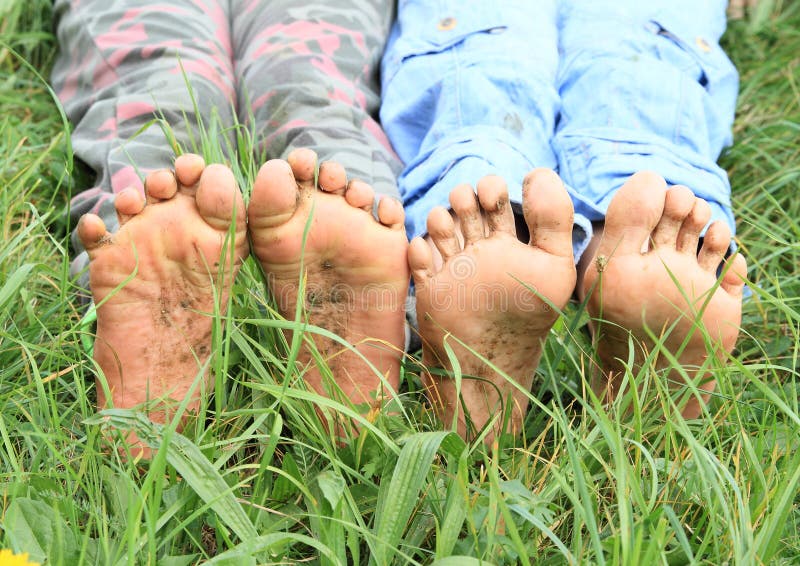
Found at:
[257, 479]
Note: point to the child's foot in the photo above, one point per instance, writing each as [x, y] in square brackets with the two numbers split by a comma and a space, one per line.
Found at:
[355, 268]
[157, 279]
[495, 294]
[635, 291]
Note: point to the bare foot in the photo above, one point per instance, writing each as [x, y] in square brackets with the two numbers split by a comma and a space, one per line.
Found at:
[357, 275]
[490, 294]
[635, 291]
[155, 282]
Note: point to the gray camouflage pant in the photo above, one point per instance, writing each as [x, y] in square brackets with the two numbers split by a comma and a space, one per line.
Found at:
[301, 74]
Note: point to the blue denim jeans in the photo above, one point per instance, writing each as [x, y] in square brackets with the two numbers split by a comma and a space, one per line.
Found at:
[596, 89]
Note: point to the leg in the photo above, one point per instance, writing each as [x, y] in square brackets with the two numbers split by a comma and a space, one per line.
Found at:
[124, 63]
[308, 77]
[457, 108]
[354, 267]
[156, 282]
[659, 94]
[675, 293]
[494, 298]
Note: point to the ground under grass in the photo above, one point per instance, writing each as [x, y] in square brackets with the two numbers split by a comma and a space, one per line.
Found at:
[257, 479]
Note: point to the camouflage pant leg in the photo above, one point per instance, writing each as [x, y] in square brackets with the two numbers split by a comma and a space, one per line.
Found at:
[307, 73]
[123, 63]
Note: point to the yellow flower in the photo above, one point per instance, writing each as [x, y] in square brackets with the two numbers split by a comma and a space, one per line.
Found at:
[8, 558]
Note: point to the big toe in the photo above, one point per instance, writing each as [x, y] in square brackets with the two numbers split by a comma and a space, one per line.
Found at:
[218, 198]
[274, 198]
[633, 214]
[548, 212]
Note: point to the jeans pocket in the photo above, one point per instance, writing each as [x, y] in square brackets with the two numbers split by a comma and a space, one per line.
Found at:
[422, 29]
[699, 57]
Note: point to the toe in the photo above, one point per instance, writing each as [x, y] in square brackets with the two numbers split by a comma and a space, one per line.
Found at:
[420, 260]
[633, 214]
[735, 275]
[465, 205]
[548, 212]
[677, 206]
[689, 235]
[160, 185]
[128, 203]
[274, 197]
[715, 244]
[360, 195]
[332, 178]
[442, 231]
[390, 213]
[219, 200]
[92, 232]
[188, 168]
[493, 197]
[303, 162]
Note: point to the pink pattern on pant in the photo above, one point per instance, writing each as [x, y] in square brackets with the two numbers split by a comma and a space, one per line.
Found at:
[307, 69]
[211, 74]
[126, 178]
[129, 110]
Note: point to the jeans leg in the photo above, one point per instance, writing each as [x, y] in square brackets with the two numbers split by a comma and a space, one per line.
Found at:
[644, 85]
[469, 90]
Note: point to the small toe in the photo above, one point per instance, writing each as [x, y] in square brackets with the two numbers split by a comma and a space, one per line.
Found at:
[442, 230]
[360, 195]
[632, 215]
[275, 196]
[548, 212]
[390, 213]
[493, 198]
[465, 205]
[188, 168]
[303, 162]
[677, 205]
[128, 203]
[332, 178]
[160, 185]
[219, 200]
[420, 261]
[716, 243]
[689, 235]
[92, 232]
[735, 275]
